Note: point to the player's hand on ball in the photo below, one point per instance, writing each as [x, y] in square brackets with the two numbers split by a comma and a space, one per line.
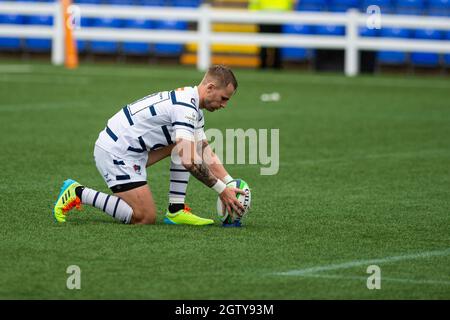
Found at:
[231, 203]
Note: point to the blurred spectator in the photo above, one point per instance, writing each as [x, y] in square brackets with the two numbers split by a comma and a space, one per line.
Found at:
[271, 57]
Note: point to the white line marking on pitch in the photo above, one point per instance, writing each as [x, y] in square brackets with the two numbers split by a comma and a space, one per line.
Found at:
[406, 154]
[20, 107]
[356, 263]
[362, 82]
[329, 276]
[43, 79]
[15, 68]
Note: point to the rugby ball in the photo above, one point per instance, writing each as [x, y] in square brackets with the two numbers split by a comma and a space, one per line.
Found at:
[244, 199]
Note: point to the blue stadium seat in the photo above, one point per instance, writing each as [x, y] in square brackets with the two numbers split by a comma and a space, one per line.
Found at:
[296, 54]
[366, 32]
[83, 45]
[109, 47]
[10, 44]
[87, 1]
[137, 48]
[152, 3]
[410, 7]
[426, 59]
[439, 8]
[186, 3]
[169, 49]
[333, 30]
[447, 56]
[311, 5]
[119, 2]
[386, 6]
[39, 45]
[343, 5]
[393, 57]
[330, 30]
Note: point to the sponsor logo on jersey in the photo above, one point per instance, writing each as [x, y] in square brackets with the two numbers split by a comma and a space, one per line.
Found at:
[137, 169]
[192, 117]
[106, 177]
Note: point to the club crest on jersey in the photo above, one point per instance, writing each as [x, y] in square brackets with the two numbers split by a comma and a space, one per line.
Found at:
[192, 117]
[137, 169]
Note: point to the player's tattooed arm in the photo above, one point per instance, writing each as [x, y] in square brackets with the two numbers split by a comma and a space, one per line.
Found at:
[199, 169]
[202, 173]
[213, 162]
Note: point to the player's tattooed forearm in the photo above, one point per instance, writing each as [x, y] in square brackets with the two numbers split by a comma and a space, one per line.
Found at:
[202, 173]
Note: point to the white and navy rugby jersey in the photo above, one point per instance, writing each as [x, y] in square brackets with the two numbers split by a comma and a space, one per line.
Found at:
[153, 122]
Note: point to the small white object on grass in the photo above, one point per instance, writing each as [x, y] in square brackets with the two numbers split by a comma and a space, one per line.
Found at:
[269, 97]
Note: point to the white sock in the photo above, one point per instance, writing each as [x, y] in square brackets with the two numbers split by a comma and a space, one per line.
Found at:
[179, 179]
[111, 205]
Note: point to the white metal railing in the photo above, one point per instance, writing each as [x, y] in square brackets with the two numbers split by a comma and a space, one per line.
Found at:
[351, 42]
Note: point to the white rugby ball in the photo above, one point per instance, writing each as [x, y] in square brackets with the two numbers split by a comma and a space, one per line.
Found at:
[244, 199]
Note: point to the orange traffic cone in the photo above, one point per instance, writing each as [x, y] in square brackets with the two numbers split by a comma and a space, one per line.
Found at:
[71, 55]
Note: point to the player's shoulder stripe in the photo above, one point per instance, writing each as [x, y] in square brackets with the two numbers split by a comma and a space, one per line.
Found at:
[185, 124]
[175, 102]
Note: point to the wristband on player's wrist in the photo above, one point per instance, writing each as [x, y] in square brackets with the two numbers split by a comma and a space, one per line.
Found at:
[219, 186]
[227, 178]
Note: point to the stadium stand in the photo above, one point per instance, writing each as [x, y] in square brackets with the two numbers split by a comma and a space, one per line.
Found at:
[296, 54]
[105, 47]
[342, 5]
[151, 3]
[411, 7]
[233, 55]
[439, 8]
[87, 1]
[168, 49]
[11, 44]
[186, 3]
[243, 55]
[425, 59]
[386, 6]
[38, 45]
[447, 56]
[311, 5]
[393, 57]
[137, 48]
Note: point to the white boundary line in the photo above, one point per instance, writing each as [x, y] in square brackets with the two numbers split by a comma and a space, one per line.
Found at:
[406, 154]
[412, 281]
[43, 79]
[16, 68]
[356, 263]
[23, 106]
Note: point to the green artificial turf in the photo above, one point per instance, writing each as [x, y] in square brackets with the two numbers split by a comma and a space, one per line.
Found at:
[364, 174]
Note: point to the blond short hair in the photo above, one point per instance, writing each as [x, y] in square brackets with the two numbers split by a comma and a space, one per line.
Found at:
[222, 75]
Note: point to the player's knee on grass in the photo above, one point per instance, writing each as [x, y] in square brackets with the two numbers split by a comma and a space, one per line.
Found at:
[143, 216]
[140, 200]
